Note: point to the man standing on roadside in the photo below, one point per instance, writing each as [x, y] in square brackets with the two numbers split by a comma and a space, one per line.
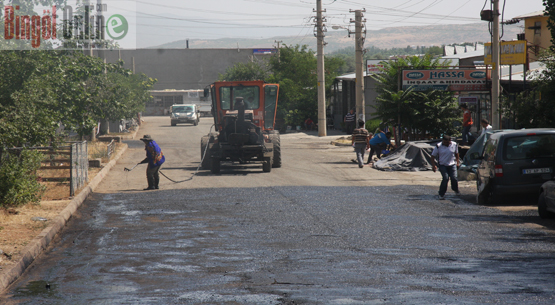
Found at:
[155, 158]
[467, 123]
[447, 155]
[350, 121]
[360, 141]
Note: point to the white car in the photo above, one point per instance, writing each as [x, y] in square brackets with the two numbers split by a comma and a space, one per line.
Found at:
[185, 113]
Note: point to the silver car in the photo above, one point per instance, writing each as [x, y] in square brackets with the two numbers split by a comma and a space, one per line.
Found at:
[185, 113]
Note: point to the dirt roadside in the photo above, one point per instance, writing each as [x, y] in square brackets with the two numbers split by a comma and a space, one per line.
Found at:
[26, 231]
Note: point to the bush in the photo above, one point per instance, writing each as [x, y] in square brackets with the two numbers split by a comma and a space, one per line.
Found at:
[372, 125]
[18, 181]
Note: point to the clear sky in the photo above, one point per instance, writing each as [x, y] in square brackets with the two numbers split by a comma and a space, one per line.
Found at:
[169, 20]
[161, 21]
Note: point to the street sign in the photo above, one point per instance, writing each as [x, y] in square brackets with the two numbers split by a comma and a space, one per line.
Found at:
[512, 53]
[444, 79]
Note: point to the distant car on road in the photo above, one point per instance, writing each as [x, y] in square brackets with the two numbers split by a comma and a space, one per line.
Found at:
[515, 162]
[546, 201]
[185, 113]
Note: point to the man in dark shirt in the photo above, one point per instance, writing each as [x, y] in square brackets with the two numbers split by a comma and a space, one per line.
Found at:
[360, 141]
[350, 121]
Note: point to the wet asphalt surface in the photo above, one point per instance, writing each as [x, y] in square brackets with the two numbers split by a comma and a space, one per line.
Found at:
[297, 235]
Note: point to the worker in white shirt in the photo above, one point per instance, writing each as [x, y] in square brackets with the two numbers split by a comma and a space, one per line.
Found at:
[485, 126]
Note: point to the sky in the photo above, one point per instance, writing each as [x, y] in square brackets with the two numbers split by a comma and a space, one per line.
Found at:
[150, 23]
[162, 21]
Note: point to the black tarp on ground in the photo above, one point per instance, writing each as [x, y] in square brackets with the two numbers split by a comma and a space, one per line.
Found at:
[412, 156]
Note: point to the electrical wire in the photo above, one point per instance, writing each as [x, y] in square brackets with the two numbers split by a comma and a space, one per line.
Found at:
[503, 19]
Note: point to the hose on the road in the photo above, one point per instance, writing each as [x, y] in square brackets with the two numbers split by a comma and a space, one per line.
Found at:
[198, 167]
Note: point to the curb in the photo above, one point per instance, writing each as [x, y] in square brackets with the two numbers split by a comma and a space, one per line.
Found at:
[337, 143]
[133, 134]
[37, 245]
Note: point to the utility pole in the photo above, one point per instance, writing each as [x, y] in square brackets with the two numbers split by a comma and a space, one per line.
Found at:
[359, 81]
[495, 67]
[322, 131]
[278, 54]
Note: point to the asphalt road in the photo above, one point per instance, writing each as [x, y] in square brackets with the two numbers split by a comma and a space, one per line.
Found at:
[319, 230]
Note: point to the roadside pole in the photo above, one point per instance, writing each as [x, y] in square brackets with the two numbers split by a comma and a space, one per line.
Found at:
[322, 128]
[495, 67]
[359, 81]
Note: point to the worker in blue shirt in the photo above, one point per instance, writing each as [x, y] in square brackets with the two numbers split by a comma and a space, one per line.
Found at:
[155, 158]
[379, 142]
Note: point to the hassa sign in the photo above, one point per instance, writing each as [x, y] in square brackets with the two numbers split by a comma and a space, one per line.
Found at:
[106, 24]
[444, 80]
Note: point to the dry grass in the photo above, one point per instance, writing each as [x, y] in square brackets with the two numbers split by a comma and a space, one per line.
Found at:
[18, 228]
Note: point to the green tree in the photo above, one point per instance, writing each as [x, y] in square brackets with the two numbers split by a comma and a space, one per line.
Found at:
[534, 108]
[245, 72]
[550, 12]
[296, 72]
[40, 89]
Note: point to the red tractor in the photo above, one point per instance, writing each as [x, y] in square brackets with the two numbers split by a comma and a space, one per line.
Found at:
[244, 118]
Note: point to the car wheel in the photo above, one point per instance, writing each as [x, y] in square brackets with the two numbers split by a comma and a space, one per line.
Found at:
[542, 208]
[195, 123]
[174, 123]
[483, 197]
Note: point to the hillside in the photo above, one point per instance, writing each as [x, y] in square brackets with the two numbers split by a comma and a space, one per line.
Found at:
[385, 38]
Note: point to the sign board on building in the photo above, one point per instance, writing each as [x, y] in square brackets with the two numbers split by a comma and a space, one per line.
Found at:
[263, 51]
[512, 53]
[444, 79]
[374, 66]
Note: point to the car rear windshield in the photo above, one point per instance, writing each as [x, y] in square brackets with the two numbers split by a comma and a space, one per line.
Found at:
[530, 146]
[180, 109]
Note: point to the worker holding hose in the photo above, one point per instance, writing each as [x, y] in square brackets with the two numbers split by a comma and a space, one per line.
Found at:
[155, 158]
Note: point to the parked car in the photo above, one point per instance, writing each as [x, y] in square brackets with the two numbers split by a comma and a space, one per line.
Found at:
[471, 159]
[185, 113]
[546, 201]
[515, 162]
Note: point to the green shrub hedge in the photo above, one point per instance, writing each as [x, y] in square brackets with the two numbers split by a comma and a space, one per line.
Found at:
[18, 180]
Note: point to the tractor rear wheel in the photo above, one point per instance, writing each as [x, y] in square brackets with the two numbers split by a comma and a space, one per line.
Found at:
[277, 149]
[215, 166]
[267, 165]
[206, 161]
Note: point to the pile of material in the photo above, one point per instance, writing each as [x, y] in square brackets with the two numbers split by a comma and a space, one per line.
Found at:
[412, 156]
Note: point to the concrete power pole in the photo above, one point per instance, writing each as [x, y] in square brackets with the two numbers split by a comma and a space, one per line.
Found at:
[322, 128]
[359, 83]
[495, 67]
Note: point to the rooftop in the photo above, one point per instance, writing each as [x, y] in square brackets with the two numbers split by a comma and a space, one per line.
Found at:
[530, 15]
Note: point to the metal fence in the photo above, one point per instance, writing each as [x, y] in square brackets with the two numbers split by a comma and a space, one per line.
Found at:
[72, 157]
[79, 172]
[110, 148]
